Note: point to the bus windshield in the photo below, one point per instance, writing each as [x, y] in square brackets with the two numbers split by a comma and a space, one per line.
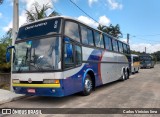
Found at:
[46, 27]
[145, 58]
[38, 55]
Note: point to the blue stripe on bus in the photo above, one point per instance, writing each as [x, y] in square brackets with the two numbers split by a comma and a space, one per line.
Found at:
[72, 84]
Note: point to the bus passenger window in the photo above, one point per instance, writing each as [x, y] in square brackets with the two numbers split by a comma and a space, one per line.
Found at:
[78, 55]
[125, 48]
[108, 42]
[98, 39]
[128, 49]
[115, 46]
[72, 30]
[120, 46]
[68, 58]
[87, 36]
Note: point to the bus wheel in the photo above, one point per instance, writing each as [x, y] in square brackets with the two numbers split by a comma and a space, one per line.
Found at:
[126, 74]
[123, 76]
[87, 86]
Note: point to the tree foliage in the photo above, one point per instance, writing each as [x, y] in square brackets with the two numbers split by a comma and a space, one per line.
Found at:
[5, 41]
[111, 30]
[39, 12]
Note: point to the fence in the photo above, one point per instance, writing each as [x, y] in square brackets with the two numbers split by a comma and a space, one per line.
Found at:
[5, 77]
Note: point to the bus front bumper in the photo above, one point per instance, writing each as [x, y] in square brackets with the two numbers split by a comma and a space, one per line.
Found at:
[39, 89]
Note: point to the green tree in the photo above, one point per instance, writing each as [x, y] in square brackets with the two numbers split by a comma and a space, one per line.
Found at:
[5, 41]
[111, 30]
[102, 28]
[39, 12]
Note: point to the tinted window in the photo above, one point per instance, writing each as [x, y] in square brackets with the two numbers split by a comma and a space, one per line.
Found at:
[98, 39]
[72, 30]
[115, 46]
[47, 27]
[87, 36]
[68, 59]
[78, 54]
[128, 49]
[135, 59]
[108, 42]
[120, 46]
[125, 48]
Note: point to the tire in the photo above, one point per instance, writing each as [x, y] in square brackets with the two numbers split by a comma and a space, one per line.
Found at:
[126, 74]
[123, 76]
[88, 86]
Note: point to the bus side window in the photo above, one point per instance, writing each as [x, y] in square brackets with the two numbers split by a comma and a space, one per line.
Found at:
[78, 55]
[115, 46]
[72, 30]
[120, 46]
[128, 49]
[108, 42]
[98, 39]
[87, 36]
[125, 48]
[68, 59]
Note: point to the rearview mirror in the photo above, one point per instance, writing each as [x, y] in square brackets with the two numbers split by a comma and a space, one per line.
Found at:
[8, 54]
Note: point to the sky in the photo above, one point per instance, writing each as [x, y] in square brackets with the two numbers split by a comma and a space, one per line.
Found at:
[139, 18]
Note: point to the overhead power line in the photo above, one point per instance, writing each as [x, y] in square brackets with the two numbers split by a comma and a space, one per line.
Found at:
[83, 11]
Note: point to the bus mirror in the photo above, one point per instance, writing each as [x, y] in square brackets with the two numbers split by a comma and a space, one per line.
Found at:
[8, 54]
[69, 50]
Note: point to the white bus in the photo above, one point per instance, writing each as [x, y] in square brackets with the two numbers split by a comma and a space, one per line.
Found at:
[135, 63]
[59, 56]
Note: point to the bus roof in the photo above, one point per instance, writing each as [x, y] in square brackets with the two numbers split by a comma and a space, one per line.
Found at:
[69, 18]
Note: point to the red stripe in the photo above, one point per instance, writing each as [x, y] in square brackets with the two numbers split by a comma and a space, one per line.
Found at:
[99, 66]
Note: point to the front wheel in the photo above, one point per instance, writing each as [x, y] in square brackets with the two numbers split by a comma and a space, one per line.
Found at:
[87, 86]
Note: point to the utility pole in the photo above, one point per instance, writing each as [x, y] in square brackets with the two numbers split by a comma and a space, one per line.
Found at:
[15, 20]
[145, 49]
[14, 31]
[127, 38]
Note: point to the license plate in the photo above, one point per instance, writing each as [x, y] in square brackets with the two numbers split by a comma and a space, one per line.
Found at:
[31, 90]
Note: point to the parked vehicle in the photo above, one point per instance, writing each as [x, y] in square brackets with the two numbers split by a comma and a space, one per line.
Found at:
[147, 61]
[135, 63]
[60, 56]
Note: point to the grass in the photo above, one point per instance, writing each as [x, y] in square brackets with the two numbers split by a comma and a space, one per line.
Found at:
[5, 86]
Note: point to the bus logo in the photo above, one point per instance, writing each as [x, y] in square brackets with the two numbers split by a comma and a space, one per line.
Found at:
[29, 80]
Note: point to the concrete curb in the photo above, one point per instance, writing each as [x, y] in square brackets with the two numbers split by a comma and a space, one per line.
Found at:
[8, 96]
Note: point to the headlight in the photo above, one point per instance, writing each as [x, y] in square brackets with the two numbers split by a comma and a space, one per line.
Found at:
[50, 81]
[15, 81]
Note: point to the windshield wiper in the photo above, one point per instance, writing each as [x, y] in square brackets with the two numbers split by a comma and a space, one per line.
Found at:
[22, 62]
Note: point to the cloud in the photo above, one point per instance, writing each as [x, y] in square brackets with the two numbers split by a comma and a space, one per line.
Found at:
[41, 2]
[6, 28]
[141, 47]
[90, 2]
[103, 20]
[87, 21]
[113, 5]
[0, 15]
[28, 6]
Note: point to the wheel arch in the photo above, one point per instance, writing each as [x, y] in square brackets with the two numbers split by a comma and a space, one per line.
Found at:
[91, 73]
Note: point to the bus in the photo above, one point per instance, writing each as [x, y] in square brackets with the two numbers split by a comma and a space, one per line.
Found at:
[135, 63]
[60, 56]
[147, 61]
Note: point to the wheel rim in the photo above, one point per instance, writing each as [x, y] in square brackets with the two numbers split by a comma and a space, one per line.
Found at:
[88, 85]
[126, 74]
[123, 76]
